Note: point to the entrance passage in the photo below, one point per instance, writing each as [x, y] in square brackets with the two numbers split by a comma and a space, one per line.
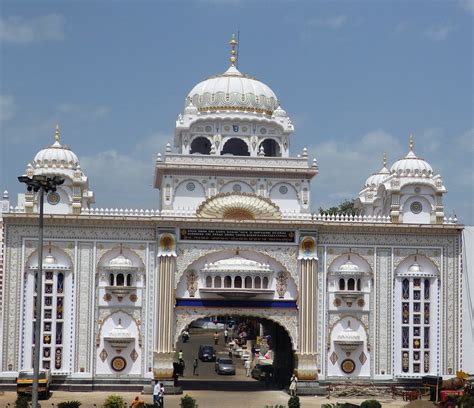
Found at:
[256, 354]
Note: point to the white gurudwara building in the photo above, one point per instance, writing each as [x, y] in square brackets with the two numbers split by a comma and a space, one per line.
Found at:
[374, 296]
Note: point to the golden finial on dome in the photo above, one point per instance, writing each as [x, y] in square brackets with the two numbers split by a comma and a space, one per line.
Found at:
[233, 54]
[410, 143]
[56, 134]
[384, 159]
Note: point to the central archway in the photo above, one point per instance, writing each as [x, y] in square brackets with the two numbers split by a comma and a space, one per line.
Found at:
[263, 341]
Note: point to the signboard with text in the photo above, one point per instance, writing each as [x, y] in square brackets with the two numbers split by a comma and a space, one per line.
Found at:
[236, 235]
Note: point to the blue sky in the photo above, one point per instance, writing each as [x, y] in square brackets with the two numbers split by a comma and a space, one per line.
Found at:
[357, 77]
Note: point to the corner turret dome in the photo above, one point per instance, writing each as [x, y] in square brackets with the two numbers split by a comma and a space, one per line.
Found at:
[56, 156]
[376, 179]
[411, 165]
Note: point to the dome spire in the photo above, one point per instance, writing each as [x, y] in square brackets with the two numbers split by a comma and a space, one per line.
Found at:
[410, 142]
[384, 162]
[233, 54]
[56, 134]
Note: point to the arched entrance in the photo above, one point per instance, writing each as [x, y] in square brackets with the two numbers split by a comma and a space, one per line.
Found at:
[266, 344]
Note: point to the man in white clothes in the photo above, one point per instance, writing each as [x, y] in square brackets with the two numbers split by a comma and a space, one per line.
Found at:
[156, 394]
[247, 367]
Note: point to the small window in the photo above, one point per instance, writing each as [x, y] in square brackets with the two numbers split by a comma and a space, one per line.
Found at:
[129, 279]
[351, 284]
[237, 282]
[405, 289]
[227, 282]
[208, 282]
[258, 282]
[217, 282]
[201, 145]
[111, 279]
[248, 282]
[120, 279]
[358, 285]
[265, 283]
[342, 284]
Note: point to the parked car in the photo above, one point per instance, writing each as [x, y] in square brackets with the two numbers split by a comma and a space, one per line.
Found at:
[225, 365]
[207, 353]
[260, 371]
[24, 383]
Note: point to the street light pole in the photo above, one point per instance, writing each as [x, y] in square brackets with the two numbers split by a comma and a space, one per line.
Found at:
[39, 184]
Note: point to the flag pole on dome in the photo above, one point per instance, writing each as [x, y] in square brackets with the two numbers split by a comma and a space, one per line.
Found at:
[410, 145]
[56, 134]
[233, 58]
[238, 49]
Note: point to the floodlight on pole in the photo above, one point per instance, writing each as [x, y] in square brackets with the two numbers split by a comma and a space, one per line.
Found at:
[39, 184]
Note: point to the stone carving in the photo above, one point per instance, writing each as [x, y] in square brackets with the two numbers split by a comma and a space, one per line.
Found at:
[192, 282]
[281, 284]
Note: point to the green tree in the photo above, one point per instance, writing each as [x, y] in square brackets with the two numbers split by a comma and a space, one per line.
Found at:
[346, 207]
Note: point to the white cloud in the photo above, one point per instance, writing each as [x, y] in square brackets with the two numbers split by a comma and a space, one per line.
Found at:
[126, 179]
[467, 5]
[19, 30]
[7, 107]
[344, 166]
[333, 22]
[440, 32]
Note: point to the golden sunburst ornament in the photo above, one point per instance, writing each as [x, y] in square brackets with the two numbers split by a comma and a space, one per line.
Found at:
[239, 206]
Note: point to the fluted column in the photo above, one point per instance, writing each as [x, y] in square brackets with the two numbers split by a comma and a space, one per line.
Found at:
[164, 312]
[306, 354]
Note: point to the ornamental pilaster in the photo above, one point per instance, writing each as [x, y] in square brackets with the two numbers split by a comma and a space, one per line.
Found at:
[164, 335]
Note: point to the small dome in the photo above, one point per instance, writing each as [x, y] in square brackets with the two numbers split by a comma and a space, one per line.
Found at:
[279, 113]
[349, 267]
[119, 332]
[120, 262]
[233, 91]
[411, 166]
[49, 259]
[237, 263]
[376, 179]
[56, 156]
[415, 268]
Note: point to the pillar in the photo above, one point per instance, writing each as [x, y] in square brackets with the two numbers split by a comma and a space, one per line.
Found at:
[306, 354]
[163, 352]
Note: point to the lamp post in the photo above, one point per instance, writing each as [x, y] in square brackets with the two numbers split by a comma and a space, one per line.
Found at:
[39, 184]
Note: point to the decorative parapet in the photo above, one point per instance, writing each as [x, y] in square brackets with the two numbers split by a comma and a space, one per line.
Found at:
[191, 213]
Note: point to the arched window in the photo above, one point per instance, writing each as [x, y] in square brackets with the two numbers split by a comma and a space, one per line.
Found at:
[217, 282]
[237, 282]
[427, 289]
[351, 284]
[358, 284]
[60, 284]
[258, 283]
[120, 279]
[129, 279]
[111, 279]
[208, 282]
[271, 148]
[342, 284]
[236, 147]
[265, 283]
[248, 282]
[201, 145]
[227, 282]
[405, 288]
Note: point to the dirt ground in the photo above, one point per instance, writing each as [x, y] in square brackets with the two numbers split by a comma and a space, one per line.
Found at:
[205, 399]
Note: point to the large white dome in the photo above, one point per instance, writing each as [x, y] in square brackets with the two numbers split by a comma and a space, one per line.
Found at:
[56, 156]
[233, 91]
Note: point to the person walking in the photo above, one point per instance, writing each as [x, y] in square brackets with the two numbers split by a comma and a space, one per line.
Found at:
[161, 396]
[226, 335]
[216, 338]
[247, 368]
[293, 385]
[195, 367]
[156, 394]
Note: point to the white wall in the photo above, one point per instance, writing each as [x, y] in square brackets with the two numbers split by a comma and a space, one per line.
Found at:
[468, 300]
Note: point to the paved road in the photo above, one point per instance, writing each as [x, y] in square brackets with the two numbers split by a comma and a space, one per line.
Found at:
[206, 369]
